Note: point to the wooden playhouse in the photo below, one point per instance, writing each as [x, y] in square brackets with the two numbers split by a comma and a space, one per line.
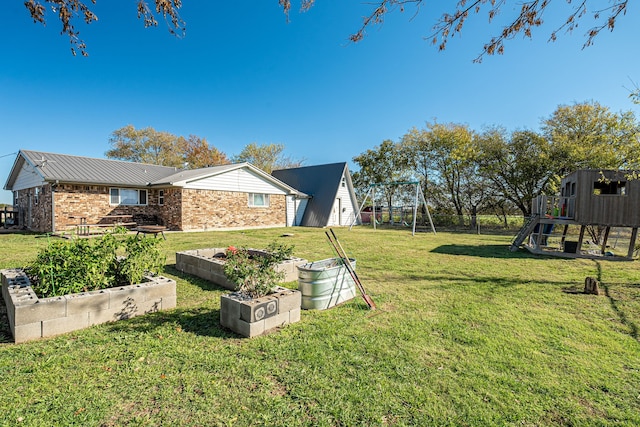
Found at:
[589, 197]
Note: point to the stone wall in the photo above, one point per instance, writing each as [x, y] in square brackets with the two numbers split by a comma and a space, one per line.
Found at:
[35, 202]
[209, 209]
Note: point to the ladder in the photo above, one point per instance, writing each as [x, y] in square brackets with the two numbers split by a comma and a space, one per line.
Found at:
[526, 229]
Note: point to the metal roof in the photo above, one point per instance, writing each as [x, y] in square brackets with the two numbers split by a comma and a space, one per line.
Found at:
[66, 168]
[321, 182]
[85, 170]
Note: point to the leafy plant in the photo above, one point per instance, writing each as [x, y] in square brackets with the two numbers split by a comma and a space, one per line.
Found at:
[84, 265]
[142, 255]
[254, 273]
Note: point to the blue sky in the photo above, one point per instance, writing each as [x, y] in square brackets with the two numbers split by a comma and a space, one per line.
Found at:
[242, 74]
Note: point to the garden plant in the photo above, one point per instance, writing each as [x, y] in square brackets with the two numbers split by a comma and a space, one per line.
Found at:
[81, 265]
[254, 274]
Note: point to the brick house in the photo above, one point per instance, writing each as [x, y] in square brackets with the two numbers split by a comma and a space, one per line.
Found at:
[53, 192]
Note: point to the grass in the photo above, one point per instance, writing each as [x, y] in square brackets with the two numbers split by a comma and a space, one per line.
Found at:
[467, 333]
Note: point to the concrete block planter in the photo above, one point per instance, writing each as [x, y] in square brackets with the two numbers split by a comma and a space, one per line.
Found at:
[208, 264]
[32, 318]
[251, 317]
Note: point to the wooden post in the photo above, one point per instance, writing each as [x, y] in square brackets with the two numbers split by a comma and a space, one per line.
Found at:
[565, 230]
[605, 238]
[580, 239]
[632, 242]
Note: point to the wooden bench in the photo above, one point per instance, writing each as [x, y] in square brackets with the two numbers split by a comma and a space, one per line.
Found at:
[151, 229]
[85, 229]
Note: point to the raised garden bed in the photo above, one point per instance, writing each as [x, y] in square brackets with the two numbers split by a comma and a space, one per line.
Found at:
[208, 264]
[32, 318]
[251, 317]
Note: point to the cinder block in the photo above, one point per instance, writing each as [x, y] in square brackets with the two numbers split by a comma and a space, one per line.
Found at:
[41, 310]
[102, 316]
[294, 315]
[249, 330]
[64, 324]
[28, 332]
[203, 263]
[169, 302]
[280, 319]
[229, 311]
[150, 306]
[87, 301]
[259, 309]
[159, 289]
[121, 296]
[288, 299]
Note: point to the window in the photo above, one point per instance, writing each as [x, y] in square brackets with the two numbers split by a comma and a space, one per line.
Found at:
[161, 197]
[36, 195]
[258, 200]
[344, 181]
[609, 188]
[127, 196]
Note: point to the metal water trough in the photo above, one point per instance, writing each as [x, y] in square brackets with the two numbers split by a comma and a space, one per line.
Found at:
[325, 283]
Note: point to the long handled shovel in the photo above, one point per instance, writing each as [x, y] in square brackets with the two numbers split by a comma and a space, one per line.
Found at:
[347, 263]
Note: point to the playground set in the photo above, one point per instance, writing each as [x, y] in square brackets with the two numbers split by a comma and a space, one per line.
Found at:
[588, 198]
[374, 214]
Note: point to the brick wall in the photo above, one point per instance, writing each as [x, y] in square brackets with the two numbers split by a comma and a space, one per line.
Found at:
[92, 202]
[34, 204]
[208, 209]
[171, 211]
[183, 209]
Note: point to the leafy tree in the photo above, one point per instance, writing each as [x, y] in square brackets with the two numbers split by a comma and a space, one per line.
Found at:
[146, 146]
[450, 23]
[519, 165]
[198, 154]
[589, 135]
[267, 157]
[162, 148]
[454, 154]
[529, 16]
[70, 11]
[384, 164]
[416, 144]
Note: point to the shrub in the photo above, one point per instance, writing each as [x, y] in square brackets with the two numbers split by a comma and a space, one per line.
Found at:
[84, 265]
[254, 274]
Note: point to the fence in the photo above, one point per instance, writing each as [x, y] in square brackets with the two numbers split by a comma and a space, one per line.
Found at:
[403, 217]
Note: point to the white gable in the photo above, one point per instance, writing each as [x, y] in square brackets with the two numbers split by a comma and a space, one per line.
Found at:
[28, 177]
[238, 180]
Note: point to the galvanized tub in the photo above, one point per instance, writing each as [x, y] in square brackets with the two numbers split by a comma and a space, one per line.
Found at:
[325, 283]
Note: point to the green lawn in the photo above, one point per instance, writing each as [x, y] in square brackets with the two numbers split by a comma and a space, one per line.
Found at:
[466, 333]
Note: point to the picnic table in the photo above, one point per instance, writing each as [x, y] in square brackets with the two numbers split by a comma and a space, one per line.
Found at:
[84, 228]
[151, 229]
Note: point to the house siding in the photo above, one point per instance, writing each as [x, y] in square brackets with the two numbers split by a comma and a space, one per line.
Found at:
[209, 209]
[240, 180]
[27, 178]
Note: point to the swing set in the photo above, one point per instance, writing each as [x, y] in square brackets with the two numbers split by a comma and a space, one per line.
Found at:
[419, 197]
